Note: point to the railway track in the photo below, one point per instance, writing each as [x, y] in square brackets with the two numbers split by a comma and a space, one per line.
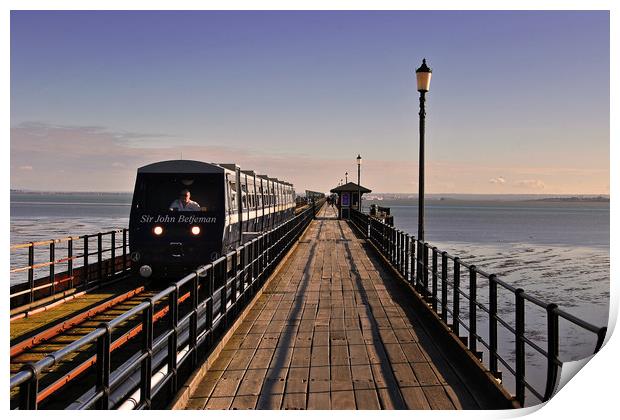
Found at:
[33, 347]
[71, 373]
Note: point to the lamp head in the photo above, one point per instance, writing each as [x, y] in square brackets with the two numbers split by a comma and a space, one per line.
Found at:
[423, 75]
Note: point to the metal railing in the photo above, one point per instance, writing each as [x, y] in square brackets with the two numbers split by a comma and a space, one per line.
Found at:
[443, 294]
[171, 331]
[83, 262]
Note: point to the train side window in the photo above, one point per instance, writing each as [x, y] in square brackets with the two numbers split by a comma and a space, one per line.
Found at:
[244, 195]
[232, 190]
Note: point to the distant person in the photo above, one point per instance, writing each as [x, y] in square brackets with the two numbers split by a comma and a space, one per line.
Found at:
[183, 203]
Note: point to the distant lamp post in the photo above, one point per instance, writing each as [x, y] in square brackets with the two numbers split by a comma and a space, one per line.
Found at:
[423, 75]
[346, 177]
[359, 188]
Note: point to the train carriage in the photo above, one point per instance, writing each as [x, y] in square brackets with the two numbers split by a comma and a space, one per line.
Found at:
[171, 234]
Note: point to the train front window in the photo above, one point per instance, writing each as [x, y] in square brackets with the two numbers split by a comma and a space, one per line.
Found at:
[164, 193]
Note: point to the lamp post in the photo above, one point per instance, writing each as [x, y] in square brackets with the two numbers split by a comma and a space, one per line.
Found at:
[359, 188]
[423, 76]
[346, 177]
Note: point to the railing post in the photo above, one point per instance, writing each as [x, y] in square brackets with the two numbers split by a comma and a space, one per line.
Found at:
[602, 332]
[223, 297]
[173, 339]
[31, 271]
[425, 262]
[210, 307]
[70, 262]
[28, 390]
[473, 330]
[456, 305]
[124, 250]
[147, 348]
[235, 278]
[99, 257]
[553, 349]
[193, 322]
[413, 262]
[103, 367]
[444, 286]
[241, 277]
[520, 345]
[401, 253]
[53, 268]
[407, 245]
[434, 280]
[85, 265]
[493, 324]
[113, 253]
[397, 259]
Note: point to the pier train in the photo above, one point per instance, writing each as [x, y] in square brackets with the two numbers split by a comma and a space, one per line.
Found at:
[228, 207]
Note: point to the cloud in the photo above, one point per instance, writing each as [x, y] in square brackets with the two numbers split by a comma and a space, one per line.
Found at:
[533, 184]
[73, 158]
[498, 180]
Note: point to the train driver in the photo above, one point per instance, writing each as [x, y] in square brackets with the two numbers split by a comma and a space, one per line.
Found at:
[183, 203]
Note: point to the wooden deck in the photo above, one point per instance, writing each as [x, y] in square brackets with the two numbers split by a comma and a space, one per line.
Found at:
[332, 330]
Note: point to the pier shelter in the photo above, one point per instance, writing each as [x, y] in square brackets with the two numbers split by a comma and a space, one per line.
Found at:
[348, 198]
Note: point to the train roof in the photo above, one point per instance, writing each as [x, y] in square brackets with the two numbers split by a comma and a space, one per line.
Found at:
[181, 166]
[194, 166]
[230, 166]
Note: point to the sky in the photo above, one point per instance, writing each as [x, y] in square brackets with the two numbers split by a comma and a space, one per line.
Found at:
[519, 100]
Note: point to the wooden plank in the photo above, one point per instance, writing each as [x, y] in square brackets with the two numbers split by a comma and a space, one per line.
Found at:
[341, 379]
[244, 402]
[294, 401]
[269, 402]
[319, 380]
[425, 374]
[261, 358]
[241, 359]
[301, 357]
[319, 401]
[404, 375]
[413, 353]
[391, 399]
[196, 404]
[367, 399]
[343, 400]
[275, 381]
[414, 398]
[362, 377]
[219, 403]
[228, 383]
[252, 382]
[339, 355]
[297, 380]
[437, 398]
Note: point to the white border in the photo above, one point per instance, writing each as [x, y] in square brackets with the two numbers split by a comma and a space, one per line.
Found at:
[590, 395]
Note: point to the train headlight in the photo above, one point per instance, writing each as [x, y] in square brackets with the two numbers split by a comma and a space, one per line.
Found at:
[196, 230]
[146, 271]
[158, 230]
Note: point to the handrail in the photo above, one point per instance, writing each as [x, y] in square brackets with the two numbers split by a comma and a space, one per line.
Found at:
[216, 296]
[410, 257]
[40, 280]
